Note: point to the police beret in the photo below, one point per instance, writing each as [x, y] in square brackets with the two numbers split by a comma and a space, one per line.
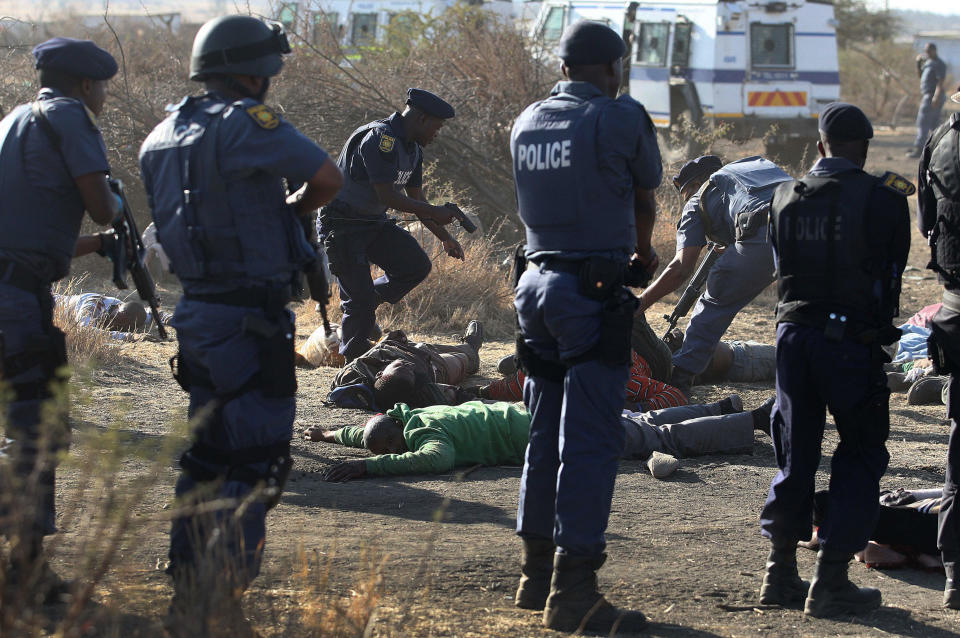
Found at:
[587, 42]
[844, 122]
[430, 103]
[75, 57]
[701, 167]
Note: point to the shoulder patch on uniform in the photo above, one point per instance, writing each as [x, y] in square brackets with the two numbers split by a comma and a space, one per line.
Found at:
[898, 184]
[263, 116]
[386, 143]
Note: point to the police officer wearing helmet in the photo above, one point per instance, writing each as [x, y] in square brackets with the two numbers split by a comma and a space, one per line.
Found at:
[586, 164]
[214, 171]
[841, 239]
[53, 167]
[939, 221]
[729, 205]
[382, 164]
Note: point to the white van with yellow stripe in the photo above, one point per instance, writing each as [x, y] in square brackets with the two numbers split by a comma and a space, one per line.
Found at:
[748, 63]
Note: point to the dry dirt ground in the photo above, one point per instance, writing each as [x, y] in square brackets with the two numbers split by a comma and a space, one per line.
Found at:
[686, 551]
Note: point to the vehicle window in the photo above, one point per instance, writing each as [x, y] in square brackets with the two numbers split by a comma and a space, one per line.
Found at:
[326, 27]
[771, 45]
[287, 15]
[553, 25]
[364, 28]
[652, 43]
[681, 44]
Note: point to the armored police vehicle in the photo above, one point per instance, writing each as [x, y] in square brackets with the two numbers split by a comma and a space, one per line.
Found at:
[763, 67]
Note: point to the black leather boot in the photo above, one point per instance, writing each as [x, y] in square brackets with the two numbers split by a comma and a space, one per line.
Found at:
[832, 593]
[535, 573]
[575, 604]
[782, 584]
[951, 597]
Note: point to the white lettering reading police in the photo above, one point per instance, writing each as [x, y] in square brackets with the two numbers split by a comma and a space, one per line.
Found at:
[545, 156]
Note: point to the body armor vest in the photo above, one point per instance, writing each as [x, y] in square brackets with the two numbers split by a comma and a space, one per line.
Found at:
[219, 235]
[37, 220]
[565, 201]
[823, 258]
[939, 200]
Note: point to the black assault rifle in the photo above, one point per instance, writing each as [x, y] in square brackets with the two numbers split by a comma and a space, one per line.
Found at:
[694, 288]
[315, 273]
[126, 260]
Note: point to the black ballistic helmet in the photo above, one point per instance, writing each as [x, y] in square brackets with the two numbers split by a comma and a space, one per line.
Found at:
[238, 44]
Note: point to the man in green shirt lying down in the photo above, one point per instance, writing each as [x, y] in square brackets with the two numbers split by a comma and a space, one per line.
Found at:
[437, 438]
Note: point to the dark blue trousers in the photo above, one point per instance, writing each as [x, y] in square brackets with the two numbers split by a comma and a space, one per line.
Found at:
[229, 541]
[32, 442]
[576, 437]
[846, 377]
[946, 328]
[351, 247]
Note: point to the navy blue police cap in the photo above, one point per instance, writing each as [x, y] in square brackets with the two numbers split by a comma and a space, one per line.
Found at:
[586, 42]
[844, 122]
[430, 104]
[703, 166]
[82, 58]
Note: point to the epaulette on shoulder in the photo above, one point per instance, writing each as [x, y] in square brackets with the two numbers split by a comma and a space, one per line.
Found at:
[898, 184]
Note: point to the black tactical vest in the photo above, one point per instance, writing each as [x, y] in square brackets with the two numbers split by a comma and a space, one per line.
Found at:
[823, 259]
[939, 199]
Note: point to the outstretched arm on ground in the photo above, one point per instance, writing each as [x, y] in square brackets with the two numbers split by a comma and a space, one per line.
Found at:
[350, 435]
[435, 457]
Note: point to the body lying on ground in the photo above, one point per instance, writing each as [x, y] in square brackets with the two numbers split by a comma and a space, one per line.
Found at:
[397, 370]
[905, 533]
[96, 310]
[439, 438]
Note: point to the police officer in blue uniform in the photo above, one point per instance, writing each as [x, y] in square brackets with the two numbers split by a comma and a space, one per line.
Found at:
[727, 205]
[939, 221]
[214, 171]
[382, 165]
[841, 239]
[53, 167]
[585, 164]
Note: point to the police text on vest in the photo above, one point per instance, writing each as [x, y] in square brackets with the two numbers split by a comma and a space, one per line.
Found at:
[545, 156]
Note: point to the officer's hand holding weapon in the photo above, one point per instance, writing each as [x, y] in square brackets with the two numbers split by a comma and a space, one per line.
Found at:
[124, 248]
[315, 274]
[695, 287]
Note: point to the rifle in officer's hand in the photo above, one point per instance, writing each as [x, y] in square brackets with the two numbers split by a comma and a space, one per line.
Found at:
[315, 273]
[694, 288]
[126, 251]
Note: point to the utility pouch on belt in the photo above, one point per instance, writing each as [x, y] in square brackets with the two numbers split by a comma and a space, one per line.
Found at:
[942, 364]
[748, 224]
[616, 327]
[600, 278]
[179, 371]
[278, 373]
[519, 264]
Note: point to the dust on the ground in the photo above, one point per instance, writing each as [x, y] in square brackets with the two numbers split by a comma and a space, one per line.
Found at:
[686, 550]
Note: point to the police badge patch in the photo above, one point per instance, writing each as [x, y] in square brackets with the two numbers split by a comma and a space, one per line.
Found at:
[263, 116]
[386, 143]
[898, 184]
